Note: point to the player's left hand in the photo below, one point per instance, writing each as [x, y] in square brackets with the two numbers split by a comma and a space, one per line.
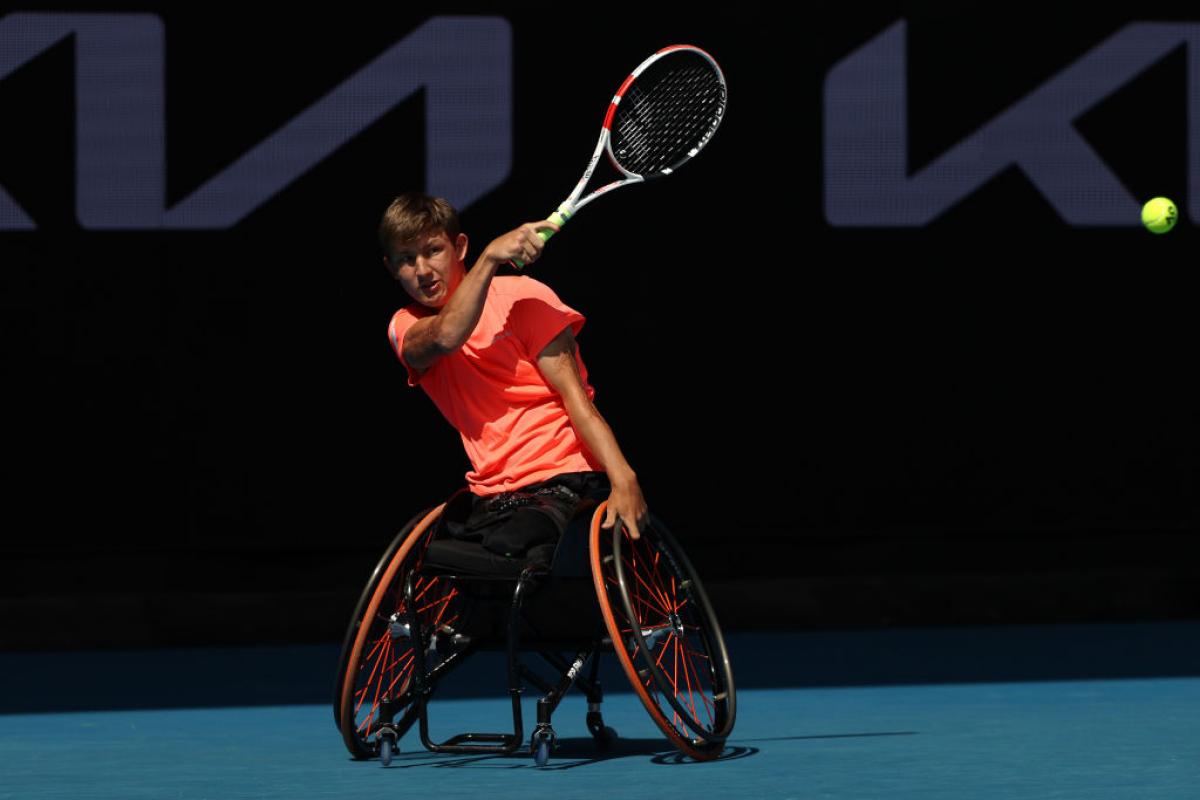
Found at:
[626, 502]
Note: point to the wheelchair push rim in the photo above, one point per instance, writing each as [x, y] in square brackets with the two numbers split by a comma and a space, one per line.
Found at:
[675, 655]
[377, 658]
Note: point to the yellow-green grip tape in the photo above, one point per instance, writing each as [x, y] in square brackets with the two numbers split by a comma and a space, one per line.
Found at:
[559, 218]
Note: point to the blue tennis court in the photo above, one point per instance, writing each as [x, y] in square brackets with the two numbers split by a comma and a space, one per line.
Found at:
[967, 734]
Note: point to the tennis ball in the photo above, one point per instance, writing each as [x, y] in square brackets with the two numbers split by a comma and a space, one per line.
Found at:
[1159, 215]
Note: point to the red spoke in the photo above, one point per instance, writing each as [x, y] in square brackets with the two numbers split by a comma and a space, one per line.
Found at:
[407, 670]
[675, 672]
[688, 671]
[371, 677]
[657, 612]
[442, 601]
[378, 644]
[658, 661]
[661, 598]
[375, 700]
[696, 672]
[637, 598]
[709, 708]
[445, 601]
[633, 562]
[429, 584]
[658, 579]
[687, 676]
[402, 662]
[379, 686]
[425, 608]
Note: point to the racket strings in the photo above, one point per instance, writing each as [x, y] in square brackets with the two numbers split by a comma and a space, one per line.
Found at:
[663, 122]
[665, 116]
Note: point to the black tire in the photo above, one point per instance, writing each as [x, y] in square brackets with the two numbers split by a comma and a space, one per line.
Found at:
[675, 655]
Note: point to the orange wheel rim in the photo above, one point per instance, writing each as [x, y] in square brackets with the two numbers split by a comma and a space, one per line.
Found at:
[389, 667]
[677, 681]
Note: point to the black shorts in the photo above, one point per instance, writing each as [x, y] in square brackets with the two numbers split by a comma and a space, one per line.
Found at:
[510, 523]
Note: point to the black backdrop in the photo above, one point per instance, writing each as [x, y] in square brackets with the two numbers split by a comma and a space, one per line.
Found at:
[987, 418]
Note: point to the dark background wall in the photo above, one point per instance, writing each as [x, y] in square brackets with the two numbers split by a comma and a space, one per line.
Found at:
[990, 417]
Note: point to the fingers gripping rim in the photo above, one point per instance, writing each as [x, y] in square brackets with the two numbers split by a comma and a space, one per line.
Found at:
[382, 581]
[688, 686]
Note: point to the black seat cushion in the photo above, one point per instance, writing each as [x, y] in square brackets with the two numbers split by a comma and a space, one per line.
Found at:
[457, 557]
[543, 526]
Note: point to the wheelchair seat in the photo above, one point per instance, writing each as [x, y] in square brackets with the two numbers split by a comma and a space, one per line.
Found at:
[566, 557]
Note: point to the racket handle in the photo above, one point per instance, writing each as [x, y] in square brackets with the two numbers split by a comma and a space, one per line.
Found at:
[559, 218]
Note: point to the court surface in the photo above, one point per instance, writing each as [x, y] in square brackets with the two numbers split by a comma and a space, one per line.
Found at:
[1132, 734]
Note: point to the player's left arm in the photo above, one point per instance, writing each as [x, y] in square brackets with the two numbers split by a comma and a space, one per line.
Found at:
[558, 366]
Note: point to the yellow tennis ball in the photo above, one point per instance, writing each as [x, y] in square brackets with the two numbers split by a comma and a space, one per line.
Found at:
[1159, 215]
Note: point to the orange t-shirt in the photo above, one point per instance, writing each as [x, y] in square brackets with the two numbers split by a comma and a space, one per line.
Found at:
[514, 426]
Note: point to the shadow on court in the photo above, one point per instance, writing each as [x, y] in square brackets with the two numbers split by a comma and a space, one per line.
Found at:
[570, 754]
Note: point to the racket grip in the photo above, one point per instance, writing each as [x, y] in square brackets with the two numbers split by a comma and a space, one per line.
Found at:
[559, 218]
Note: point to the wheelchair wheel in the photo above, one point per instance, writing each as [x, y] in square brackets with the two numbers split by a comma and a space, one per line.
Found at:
[377, 662]
[665, 635]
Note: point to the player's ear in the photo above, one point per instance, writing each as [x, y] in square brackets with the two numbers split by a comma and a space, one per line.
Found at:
[460, 246]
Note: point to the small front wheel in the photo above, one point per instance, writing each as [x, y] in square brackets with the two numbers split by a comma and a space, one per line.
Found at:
[387, 748]
[540, 744]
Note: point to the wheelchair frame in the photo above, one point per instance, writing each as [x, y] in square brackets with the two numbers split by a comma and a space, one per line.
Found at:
[412, 627]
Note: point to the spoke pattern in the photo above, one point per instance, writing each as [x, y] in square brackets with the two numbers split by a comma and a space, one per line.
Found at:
[385, 672]
[666, 616]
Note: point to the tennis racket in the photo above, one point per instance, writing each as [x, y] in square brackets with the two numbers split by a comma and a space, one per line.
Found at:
[665, 112]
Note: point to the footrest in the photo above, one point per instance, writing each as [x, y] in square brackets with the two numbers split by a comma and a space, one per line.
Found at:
[479, 743]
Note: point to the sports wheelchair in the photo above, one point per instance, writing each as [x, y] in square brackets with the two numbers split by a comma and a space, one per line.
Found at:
[434, 600]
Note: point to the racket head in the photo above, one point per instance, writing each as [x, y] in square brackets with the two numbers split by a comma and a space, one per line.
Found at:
[665, 112]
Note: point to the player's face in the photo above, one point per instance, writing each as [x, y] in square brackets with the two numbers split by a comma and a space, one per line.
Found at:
[429, 268]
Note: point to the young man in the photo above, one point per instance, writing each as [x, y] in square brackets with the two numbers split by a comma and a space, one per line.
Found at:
[497, 355]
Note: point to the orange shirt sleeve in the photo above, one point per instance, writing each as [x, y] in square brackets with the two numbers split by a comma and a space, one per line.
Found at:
[538, 315]
[402, 320]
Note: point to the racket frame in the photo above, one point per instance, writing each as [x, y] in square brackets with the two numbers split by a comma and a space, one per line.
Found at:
[573, 203]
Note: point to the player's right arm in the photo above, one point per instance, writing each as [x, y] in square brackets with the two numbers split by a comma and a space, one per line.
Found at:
[432, 337]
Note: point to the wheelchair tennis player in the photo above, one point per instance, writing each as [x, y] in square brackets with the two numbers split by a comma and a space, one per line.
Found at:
[497, 355]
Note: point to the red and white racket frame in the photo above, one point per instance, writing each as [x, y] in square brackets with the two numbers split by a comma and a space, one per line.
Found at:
[604, 145]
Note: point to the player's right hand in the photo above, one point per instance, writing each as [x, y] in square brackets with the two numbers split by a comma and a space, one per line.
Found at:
[521, 245]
